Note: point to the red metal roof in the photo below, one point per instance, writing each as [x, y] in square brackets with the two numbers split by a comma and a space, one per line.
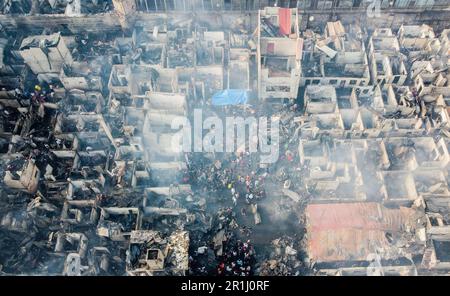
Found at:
[351, 231]
[284, 20]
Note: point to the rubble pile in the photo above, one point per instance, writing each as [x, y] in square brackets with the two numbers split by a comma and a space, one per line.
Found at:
[284, 259]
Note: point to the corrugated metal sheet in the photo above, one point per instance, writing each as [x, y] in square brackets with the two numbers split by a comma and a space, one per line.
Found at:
[424, 3]
[351, 231]
[401, 3]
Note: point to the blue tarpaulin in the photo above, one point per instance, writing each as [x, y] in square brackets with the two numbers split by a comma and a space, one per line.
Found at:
[230, 97]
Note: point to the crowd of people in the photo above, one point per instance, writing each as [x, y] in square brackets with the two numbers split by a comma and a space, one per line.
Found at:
[235, 177]
[238, 259]
[237, 183]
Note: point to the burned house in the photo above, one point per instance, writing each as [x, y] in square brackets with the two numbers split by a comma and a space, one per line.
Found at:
[279, 53]
[239, 63]
[46, 55]
[22, 174]
[387, 64]
[152, 254]
[337, 58]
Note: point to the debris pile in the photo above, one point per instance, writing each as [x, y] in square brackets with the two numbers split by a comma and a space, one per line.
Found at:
[284, 259]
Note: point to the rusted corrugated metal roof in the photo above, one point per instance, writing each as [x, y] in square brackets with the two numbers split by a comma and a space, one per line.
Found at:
[351, 231]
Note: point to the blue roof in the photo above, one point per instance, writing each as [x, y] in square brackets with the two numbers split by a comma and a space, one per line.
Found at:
[230, 97]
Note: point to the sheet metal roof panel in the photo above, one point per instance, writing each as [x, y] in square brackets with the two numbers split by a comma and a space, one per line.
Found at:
[352, 231]
[356, 215]
[345, 244]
